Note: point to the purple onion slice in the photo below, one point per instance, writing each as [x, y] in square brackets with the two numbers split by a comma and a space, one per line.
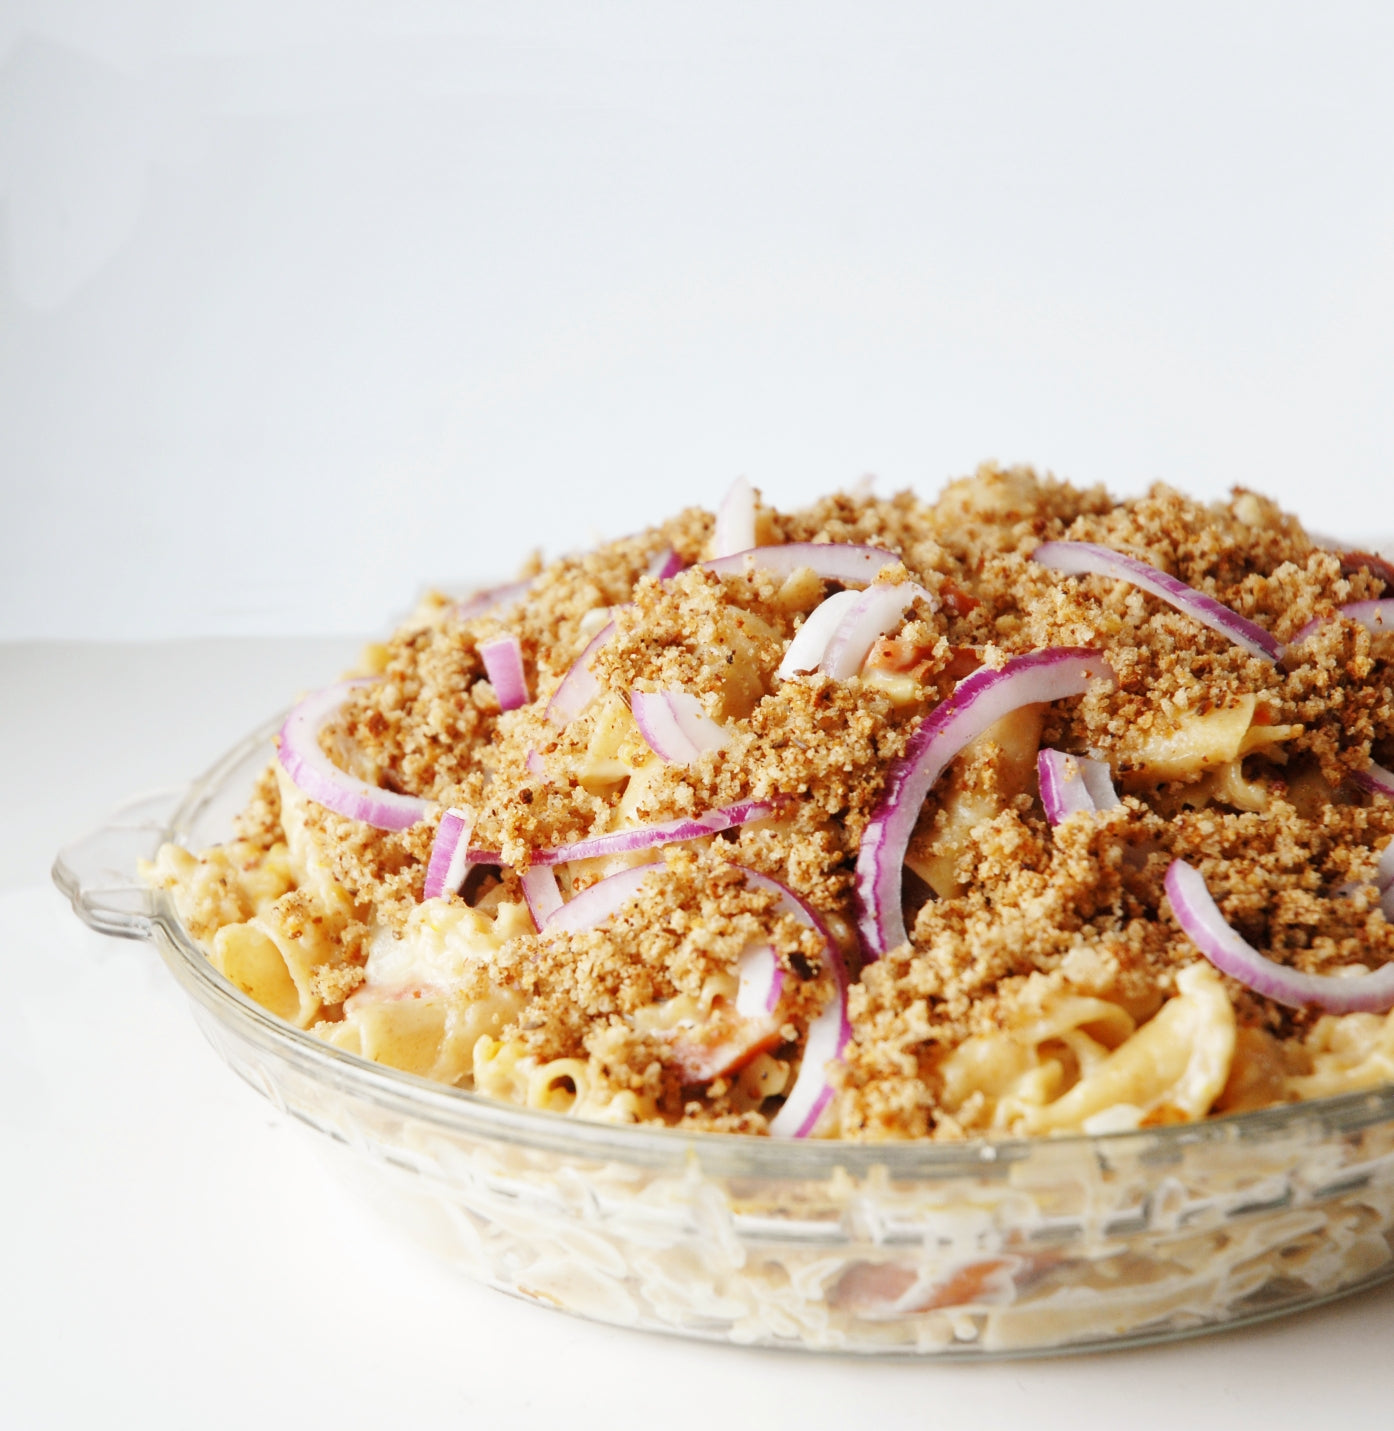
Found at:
[665, 564]
[1376, 779]
[670, 832]
[450, 855]
[579, 687]
[1374, 616]
[1070, 783]
[491, 599]
[833, 561]
[593, 906]
[805, 652]
[978, 701]
[761, 981]
[542, 893]
[323, 782]
[503, 662]
[1082, 558]
[735, 520]
[828, 1035]
[675, 725]
[1198, 914]
[875, 611]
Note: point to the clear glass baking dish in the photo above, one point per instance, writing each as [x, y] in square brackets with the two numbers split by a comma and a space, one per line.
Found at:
[982, 1249]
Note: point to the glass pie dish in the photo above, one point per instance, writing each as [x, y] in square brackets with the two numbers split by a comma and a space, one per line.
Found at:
[971, 1250]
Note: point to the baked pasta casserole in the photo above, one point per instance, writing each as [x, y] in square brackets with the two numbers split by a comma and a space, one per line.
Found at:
[1021, 811]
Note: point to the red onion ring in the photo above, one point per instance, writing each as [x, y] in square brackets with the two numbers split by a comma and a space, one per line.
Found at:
[675, 725]
[1081, 558]
[490, 599]
[1374, 616]
[1199, 916]
[805, 652]
[761, 981]
[665, 564]
[595, 905]
[503, 662]
[735, 520]
[541, 892]
[1376, 779]
[978, 701]
[322, 781]
[643, 837]
[877, 610]
[833, 561]
[670, 832]
[578, 688]
[828, 1035]
[450, 859]
[1070, 783]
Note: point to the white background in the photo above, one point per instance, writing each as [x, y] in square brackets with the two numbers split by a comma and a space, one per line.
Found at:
[306, 305]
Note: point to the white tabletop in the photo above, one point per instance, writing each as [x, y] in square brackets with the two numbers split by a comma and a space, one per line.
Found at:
[179, 1256]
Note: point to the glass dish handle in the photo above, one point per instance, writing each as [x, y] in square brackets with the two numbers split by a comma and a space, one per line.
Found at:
[98, 871]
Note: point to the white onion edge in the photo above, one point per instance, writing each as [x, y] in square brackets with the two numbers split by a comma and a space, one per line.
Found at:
[578, 687]
[450, 861]
[675, 725]
[734, 530]
[320, 780]
[541, 893]
[977, 702]
[503, 664]
[876, 611]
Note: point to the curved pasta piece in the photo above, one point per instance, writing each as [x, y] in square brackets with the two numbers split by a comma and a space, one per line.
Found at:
[432, 1036]
[275, 957]
[1014, 1069]
[1349, 1052]
[1173, 1067]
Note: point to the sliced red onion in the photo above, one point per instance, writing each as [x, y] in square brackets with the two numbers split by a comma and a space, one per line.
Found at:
[645, 837]
[323, 782]
[828, 1035]
[1374, 616]
[876, 611]
[676, 725]
[595, 905]
[805, 652]
[450, 855]
[833, 561]
[491, 599]
[735, 520]
[761, 981]
[665, 564]
[578, 687]
[534, 763]
[1070, 783]
[1080, 558]
[503, 661]
[542, 893]
[1376, 779]
[978, 701]
[1384, 871]
[1198, 914]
